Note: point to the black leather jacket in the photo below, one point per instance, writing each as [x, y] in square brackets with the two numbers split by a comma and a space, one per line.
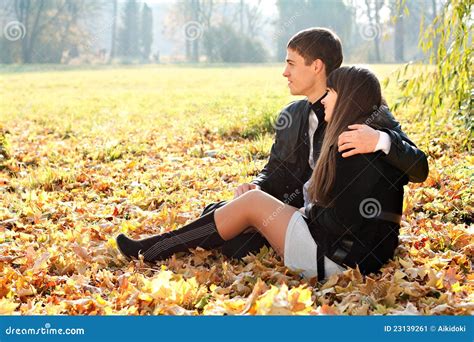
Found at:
[288, 169]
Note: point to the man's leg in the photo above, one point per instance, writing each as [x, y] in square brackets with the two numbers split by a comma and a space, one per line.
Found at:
[243, 244]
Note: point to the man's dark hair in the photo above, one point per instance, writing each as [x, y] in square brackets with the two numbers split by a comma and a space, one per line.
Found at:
[318, 43]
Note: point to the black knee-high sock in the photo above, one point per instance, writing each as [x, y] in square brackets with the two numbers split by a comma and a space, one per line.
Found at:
[202, 232]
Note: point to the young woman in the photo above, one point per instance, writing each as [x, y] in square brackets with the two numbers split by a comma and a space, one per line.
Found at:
[354, 204]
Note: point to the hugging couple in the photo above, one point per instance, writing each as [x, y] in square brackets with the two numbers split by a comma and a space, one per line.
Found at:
[331, 193]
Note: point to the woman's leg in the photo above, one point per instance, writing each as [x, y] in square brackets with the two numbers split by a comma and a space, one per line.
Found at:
[257, 209]
[252, 209]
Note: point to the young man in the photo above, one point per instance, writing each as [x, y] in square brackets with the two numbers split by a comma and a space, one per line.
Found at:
[311, 55]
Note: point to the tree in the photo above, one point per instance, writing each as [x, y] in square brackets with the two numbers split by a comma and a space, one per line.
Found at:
[195, 17]
[249, 16]
[224, 44]
[443, 86]
[146, 32]
[295, 15]
[42, 31]
[114, 31]
[373, 8]
[396, 7]
[189, 19]
[128, 38]
[30, 15]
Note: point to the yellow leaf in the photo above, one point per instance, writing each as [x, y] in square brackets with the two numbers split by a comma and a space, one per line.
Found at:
[456, 287]
[145, 296]
[399, 275]
[406, 264]
[7, 306]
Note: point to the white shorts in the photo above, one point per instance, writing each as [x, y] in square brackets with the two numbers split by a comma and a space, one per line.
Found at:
[300, 250]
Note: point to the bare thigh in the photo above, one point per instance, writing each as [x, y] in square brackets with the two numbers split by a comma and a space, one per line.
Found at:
[260, 210]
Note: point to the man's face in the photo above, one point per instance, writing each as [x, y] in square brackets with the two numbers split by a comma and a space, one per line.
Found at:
[301, 77]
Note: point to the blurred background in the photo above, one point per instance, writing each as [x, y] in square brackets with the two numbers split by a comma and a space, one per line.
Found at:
[76, 32]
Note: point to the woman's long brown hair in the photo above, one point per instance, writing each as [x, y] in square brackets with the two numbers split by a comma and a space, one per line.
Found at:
[358, 99]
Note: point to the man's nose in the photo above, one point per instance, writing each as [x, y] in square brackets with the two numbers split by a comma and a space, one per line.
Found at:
[286, 73]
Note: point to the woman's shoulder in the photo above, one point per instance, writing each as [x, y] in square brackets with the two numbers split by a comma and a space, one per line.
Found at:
[369, 164]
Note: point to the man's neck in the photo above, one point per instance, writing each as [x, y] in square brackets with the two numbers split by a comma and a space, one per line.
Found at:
[316, 93]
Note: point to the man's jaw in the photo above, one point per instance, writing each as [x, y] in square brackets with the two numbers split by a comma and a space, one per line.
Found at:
[296, 92]
[293, 91]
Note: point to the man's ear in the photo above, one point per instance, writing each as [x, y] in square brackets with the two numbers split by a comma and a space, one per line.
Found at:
[319, 66]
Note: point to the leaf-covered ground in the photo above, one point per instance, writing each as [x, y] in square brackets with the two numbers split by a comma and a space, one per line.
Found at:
[92, 153]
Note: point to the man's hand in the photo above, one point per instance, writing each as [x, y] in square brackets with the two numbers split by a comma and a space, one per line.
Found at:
[361, 139]
[243, 188]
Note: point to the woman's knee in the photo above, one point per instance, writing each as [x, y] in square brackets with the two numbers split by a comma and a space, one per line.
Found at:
[252, 200]
[253, 195]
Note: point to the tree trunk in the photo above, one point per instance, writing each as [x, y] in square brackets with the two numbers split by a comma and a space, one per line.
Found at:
[114, 32]
[195, 42]
[399, 34]
[241, 17]
[378, 5]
